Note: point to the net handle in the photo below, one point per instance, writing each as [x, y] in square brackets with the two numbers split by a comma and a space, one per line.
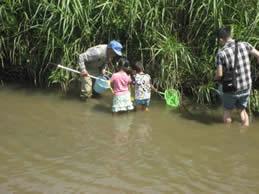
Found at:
[78, 72]
[162, 93]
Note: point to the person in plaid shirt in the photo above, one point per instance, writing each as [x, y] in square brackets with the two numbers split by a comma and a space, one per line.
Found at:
[225, 61]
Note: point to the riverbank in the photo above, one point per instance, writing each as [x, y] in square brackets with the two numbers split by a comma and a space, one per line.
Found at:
[174, 39]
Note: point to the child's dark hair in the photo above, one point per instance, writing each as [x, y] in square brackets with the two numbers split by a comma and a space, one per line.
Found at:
[100, 68]
[139, 67]
[123, 64]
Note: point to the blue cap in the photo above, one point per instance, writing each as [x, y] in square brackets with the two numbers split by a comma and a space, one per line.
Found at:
[116, 47]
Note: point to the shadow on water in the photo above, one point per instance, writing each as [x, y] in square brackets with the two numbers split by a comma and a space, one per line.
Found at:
[31, 90]
[100, 108]
[202, 114]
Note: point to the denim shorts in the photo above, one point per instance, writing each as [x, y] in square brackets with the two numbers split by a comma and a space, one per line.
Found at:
[237, 100]
[144, 102]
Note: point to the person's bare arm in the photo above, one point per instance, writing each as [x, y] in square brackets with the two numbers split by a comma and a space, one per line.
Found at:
[219, 67]
[219, 73]
[255, 53]
[153, 88]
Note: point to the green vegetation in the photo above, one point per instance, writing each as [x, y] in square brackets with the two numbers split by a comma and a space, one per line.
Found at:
[175, 39]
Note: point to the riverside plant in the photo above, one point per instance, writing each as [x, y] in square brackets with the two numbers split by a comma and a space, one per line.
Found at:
[174, 39]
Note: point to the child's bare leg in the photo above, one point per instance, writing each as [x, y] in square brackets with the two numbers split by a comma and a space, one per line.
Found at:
[142, 107]
[146, 108]
[138, 107]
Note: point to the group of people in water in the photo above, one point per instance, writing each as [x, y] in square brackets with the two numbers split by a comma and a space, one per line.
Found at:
[232, 71]
[96, 60]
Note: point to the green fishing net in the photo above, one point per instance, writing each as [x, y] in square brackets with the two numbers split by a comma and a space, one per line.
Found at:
[172, 97]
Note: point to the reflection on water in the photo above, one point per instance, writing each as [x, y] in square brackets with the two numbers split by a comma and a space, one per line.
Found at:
[51, 145]
[121, 126]
[143, 129]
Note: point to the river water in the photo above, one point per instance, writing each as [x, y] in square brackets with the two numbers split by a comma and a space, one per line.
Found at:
[55, 144]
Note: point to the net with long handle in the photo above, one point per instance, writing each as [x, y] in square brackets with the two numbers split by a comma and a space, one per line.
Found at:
[172, 97]
[102, 84]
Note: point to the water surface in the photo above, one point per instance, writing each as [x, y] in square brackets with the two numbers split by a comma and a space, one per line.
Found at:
[52, 144]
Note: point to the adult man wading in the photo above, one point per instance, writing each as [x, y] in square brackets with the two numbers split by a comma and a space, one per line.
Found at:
[93, 60]
[233, 69]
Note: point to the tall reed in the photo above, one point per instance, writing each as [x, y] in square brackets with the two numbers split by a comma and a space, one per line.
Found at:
[175, 39]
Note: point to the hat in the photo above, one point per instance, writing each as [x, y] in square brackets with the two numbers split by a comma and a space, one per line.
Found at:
[116, 47]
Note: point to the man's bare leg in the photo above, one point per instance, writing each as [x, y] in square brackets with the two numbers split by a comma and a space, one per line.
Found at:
[244, 118]
[227, 116]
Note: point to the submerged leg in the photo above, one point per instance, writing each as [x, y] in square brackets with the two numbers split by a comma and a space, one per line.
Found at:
[227, 117]
[244, 118]
[86, 87]
[145, 108]
[139, 107]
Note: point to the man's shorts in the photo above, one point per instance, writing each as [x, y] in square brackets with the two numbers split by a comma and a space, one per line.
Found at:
[238, 100]
[143, 102]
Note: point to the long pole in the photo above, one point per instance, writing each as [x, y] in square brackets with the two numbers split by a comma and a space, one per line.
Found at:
[78, 72]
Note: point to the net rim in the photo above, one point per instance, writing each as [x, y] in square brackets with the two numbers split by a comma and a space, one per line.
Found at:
[172, 97]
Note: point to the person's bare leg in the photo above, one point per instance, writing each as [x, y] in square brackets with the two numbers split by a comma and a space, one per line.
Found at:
[244, 118]
[145, 108]
[138, 107]
[227, 117]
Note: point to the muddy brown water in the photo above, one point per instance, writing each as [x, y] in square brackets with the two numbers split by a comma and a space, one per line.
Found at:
[51, 144]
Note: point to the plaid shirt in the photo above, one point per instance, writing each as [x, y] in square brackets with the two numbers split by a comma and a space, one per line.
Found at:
[225, 58]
